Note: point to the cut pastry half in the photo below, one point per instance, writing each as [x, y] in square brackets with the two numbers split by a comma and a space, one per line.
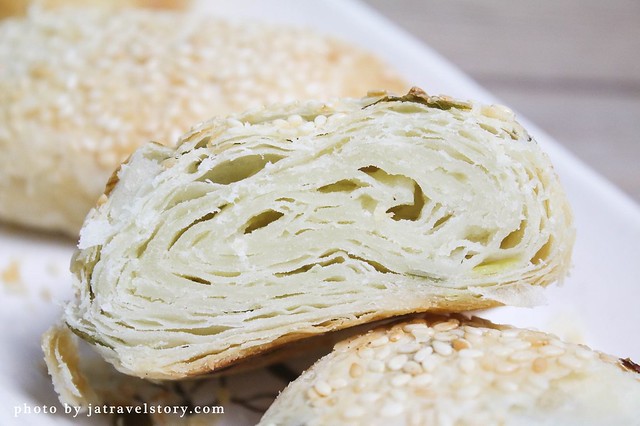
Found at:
[302, 218]
[445, 371]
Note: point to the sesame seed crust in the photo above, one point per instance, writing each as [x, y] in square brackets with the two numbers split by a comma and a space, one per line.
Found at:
[80, 89]
[479, 384]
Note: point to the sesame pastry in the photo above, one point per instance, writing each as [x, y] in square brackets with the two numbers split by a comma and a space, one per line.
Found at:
[81, 88]
[456, 371]
[301, 218]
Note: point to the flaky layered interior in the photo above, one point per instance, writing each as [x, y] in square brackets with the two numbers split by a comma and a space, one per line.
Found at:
[302, 218]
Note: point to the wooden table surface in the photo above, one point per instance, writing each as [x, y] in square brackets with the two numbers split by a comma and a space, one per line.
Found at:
[570, 66]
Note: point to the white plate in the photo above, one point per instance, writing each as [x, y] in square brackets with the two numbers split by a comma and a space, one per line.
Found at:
[596, 305]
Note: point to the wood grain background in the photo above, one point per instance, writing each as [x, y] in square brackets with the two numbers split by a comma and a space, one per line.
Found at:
[570, 66]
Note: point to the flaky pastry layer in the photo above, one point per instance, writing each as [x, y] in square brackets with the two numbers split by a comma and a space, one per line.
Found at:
[302, 218]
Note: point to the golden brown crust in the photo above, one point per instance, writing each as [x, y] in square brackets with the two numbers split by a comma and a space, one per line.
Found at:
[241, 359]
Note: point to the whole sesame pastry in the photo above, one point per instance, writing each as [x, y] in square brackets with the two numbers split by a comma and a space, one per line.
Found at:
[456, 371]
[81, 88]
[290, 221]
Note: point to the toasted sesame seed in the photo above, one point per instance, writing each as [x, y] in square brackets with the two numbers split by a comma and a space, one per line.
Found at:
[537, 341]
[307, 128]
[338, 383]
[519, 345]
[423, 353]
[502, 351]
[444, 336]
[295, 119]
[475, 331]
[320, 120]
[422, 335]
[412, 367]
[408, 348]
[429, 364]
[356, 370]
[539, 365]
[322, 388]
[419, 326]
[312, 394]
[497, 111]
[382, 352]
[458, 332]
[488, 363]
[400, 379]
[510, 333]
[460, 344]
[446, 326]
[366, 353]
[422, 380]
[397, 362]
[379, 341]
[442, 348]
[359, 386]
[396, 336]
[473, 339]
[558, 343]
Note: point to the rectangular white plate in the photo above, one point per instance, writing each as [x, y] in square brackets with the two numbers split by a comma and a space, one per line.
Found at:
[597, 304]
